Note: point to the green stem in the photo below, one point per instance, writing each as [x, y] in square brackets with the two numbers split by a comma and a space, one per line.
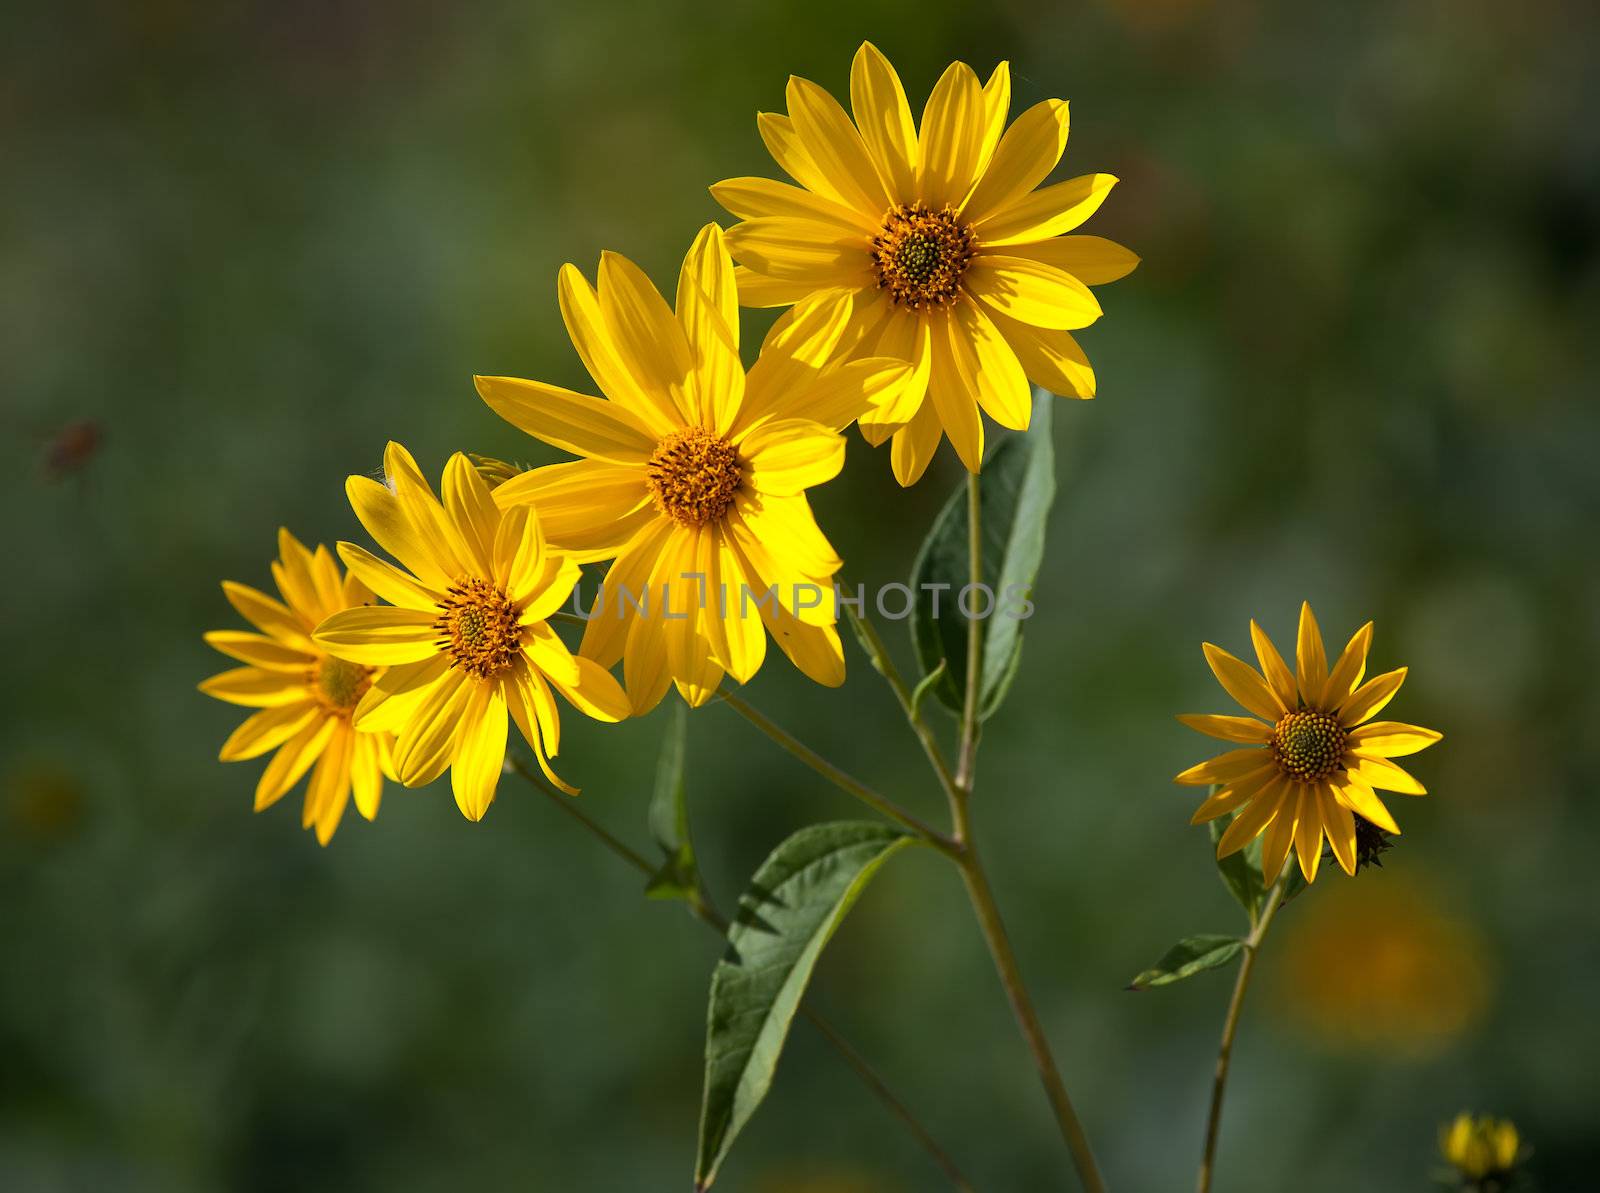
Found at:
[967, 755]
[844, 782]
[884, 665]
[1230, 1028]
[709, 915]
[981, 893]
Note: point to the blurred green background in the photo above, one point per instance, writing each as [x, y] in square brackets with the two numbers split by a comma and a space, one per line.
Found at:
[249, 243]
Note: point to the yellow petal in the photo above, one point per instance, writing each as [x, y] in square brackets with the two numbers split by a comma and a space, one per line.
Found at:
[427, 743]
[534, 710]
[1347, 672]
[902, 337]
[1367, 700]
[587, 508]
[822, 256]
[884, 117]
[1002, 386]
[1308, 833]
[814, 649]
[260, 651]
[1244, 683]
[846, 392]
[952, 393]
[292, 760]
[366, 774]
[480, 752]
[422, 510]
[273, 618]
[1353, 792]
[379, 635]
[613, 610]
[329, 789]
[586, 326]
[294, 578]
[707, 267]
[473, 515]
[582, 425]
[250, 687]
[267, 730]
[756, 198]
[386, 580]
[1032, 293]
[1311, 661]
[1047, 212]
[1027, 153]
[1093, 260]
[1278, 676]
[954, 124]
[996, 107]
[379, 510]
[1384, 775]
[396, 694]
[1340, 827]
[913, 445]
[758, 290]
[740, 642]
[1237, 792]
[800, 346]
[1224, 768]
[1247, 825]
[833, 143]
[644, 330]
[1392, 739]
[786, 528]
[1245, 729]
[646, 673]
[1050, 357]
[783, 142]
[596, 693]
[1280, 833]
[787, 456]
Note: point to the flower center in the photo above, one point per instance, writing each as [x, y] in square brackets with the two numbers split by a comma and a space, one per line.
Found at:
[480, 627]
[693, 476]
[340, 684]
[921, 254]
[1308, 745]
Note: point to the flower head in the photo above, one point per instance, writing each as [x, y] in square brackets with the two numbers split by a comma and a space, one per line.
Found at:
[693, 474]
[1313, 758]
[305, 695]
[950, 254]
[465, 637]
[1484, 1151]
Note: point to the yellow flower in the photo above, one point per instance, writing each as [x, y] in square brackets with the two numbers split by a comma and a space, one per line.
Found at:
[1481, 1148]
[949, 255]
[694, 474]
[1312, 762]
[306, 696]
[465, 636]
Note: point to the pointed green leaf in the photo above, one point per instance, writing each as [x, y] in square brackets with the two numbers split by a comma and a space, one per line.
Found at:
[679, 874]
[1241, 871]
[794, 903]
[1017, 486]
[1192, 955]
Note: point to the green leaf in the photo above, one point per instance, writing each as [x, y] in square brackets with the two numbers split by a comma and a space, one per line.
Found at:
[1241, 871]
[794, 904]
[679, 874]
[1018, 485]
[1192, 955]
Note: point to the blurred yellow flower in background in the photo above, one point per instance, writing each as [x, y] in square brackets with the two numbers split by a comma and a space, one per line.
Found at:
[1483, 1150]
[948, 254]
[693, 474]
[1378, 965]
[306, 695]
[1312, 762]
[465, 636]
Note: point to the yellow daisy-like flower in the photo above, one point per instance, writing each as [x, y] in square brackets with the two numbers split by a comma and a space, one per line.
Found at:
[1481, 1149]
[465, 636]
[306, 696]
[952, 256]
[1314, 760]
[694, 474]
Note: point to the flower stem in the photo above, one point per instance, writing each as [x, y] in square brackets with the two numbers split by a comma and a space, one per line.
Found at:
[846, 783]
[709, 915]
[981, 893]
[1230, 1028]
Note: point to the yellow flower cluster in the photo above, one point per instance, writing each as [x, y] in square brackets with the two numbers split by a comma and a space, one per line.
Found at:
[1484, 1151]
[928, 275]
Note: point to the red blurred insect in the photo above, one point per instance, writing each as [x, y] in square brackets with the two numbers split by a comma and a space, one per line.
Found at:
[73, 448]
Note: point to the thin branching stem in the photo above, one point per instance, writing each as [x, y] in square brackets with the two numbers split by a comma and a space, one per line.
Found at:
[714, 919]
[1230, 1028]
[881, 804]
